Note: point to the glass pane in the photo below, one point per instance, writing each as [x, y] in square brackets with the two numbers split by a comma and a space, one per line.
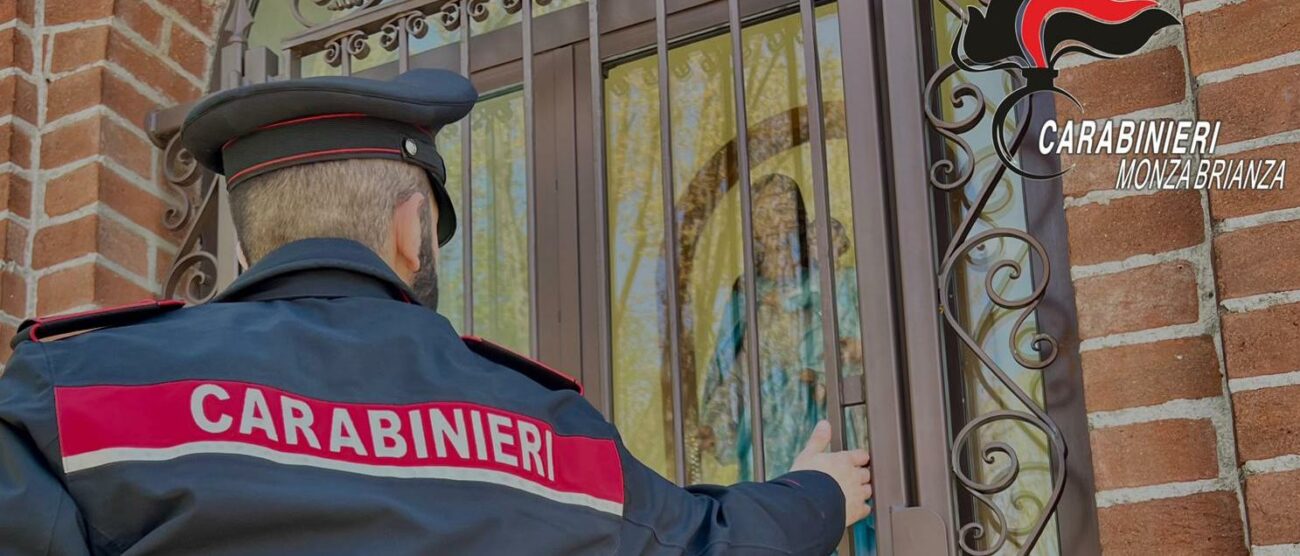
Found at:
[500, 203]
[710, 292]
[990, 325]
[451, 258]
[642, 397]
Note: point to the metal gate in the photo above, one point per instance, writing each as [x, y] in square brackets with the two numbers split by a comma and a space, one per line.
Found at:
[913, 227]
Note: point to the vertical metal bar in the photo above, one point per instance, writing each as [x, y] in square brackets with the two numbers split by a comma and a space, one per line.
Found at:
[404, 44]
[530, 160]
[466, 178]
[918, 272]
[826, 257]
[821, 197]
[597, 78]
[670, 236]
[877, 304]
[755, 371]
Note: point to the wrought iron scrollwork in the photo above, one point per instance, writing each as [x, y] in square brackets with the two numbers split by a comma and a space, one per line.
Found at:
[331, 5]
[413, 24]
[988, 531]
[196, 211]
[352, 44]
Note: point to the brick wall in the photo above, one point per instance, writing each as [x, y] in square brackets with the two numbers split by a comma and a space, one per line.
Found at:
[81, 199]
[1189, 302]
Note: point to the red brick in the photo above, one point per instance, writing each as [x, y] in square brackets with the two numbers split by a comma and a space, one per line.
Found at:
[26, 11]
[140, 206]
[58, 12]
[72, 190]
[1262, 259]
[6, 46]
[1241, 33]
[61, 242]
[1232, 203]
[188, 51]
[1151, 374]
[8, 11]
[112, 288]
[121, 97]
[1143, 454]
[1147, 80]
[124, 247]
[150, 69]
[1268, 422]
[19, 195]
[73, 93]
[1245, 115]
[7, 93]
[6, 331]
[126, 148]
[1262, 342]
[79, 47]
[1208, 523]
[1138, 299]
[91, 234]
[1273, 508]
[142, 19]
[1138, 225]
[15, 242]
[13, 294]
[24, 53]
[26, 101]
[200, 13]
[20, 147]
[66, 289]
[1089, 173]
[71, 142]
[6, 142]
[82, 285]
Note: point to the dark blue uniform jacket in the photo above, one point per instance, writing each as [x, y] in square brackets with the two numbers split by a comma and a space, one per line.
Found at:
[313, 409]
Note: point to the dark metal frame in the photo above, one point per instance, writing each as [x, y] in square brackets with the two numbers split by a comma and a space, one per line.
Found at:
[560, 60]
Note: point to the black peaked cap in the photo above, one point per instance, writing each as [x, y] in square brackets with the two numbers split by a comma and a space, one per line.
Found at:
[244, 132]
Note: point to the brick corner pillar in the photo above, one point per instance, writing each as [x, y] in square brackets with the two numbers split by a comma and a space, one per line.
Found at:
[1189, 300]
[1159, 410]
[81, 191]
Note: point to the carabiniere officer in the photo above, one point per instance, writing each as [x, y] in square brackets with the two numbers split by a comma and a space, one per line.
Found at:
[320, 405]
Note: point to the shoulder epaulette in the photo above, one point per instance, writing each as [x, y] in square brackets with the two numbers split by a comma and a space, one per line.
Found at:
[531, 368]
[42, 328]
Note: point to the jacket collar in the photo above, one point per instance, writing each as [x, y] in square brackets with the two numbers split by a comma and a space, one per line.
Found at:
[318, 267]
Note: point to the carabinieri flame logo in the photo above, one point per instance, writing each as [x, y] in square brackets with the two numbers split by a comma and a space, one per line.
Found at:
[1031, 35]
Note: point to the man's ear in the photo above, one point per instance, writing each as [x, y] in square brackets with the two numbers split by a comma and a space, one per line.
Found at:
[407, 231]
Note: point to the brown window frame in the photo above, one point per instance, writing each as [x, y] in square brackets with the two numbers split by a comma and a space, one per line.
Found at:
[910, 416]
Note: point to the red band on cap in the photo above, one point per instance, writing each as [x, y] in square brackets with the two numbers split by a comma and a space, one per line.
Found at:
[300, 156]
[297, 121]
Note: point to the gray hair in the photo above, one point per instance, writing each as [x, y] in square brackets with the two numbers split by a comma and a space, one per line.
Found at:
[350, 199]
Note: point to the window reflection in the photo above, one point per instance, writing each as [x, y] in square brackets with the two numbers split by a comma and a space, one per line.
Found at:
[502, 306]
[713, 357]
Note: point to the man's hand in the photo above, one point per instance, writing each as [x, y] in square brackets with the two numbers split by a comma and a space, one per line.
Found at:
[848, 468]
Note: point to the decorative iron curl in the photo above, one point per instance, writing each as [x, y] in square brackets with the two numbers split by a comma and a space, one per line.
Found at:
[351, 43]
[331, 5]
[182, 172]
[412, 24]
[199, 271]
[449, 15]
[1035, 416]
[975, 531]
[951, 131]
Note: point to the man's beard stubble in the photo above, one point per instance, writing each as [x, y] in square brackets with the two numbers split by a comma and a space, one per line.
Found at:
[425, 284]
